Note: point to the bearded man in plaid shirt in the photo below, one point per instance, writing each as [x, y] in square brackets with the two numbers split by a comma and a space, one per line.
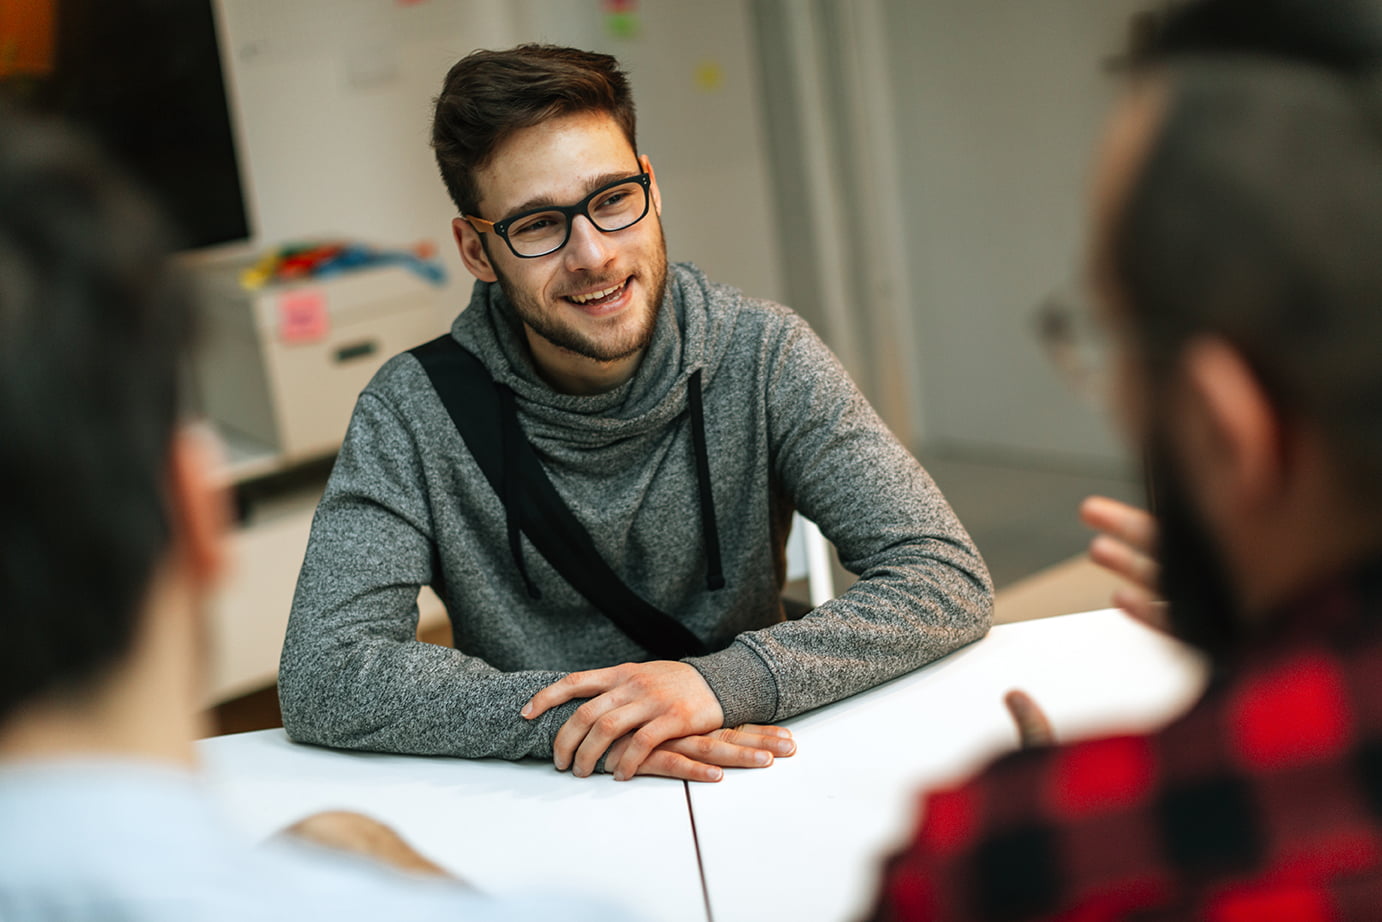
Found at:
[1236, 271]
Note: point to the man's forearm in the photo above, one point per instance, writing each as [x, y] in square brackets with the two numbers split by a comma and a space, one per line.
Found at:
[413, 698]
[923, 589]
[896, 618]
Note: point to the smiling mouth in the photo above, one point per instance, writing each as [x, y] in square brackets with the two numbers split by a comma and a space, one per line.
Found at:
[600, 297]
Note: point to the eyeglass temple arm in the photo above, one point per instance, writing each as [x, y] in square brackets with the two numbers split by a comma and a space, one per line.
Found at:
[480, 224]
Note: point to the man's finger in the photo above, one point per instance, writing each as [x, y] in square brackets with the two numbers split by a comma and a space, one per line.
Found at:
[1033, 727]
[665, 763]
[765, 730]
[744, 736]
[1128, 524]
[699, 755]
[609, 727]
[641, 746]
[1124, 560]
[1144, 607]
[577, 728]
[715, 750]
[569, 687]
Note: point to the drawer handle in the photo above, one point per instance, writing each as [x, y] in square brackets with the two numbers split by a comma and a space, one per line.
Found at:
[357, 350]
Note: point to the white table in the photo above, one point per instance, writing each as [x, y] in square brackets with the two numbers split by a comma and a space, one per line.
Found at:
[803, 840]
[800, 840]
[502, 826]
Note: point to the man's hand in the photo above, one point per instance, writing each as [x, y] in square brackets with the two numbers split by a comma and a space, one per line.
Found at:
[1127, 548]
[361, 835]
[703, 758]
[649, 702]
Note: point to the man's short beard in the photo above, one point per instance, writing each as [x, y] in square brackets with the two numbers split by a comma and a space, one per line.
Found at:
[565, 337]
[1202, 608]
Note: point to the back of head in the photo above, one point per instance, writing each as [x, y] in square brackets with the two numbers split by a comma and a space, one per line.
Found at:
[1343, 36]
[91, 334]
[1257, 215]
[488, 95]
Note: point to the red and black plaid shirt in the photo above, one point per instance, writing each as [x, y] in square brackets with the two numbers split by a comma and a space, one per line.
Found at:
[1262, 804]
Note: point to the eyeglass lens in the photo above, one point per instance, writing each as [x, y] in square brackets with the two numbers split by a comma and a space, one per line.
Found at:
[1075, 341]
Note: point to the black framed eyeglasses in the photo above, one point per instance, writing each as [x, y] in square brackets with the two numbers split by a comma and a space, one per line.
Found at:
[612, 207]
[1076, 341]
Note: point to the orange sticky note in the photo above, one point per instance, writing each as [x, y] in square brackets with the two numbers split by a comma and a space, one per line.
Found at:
[302, 316]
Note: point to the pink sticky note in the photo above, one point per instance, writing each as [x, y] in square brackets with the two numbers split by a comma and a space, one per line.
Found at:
[302, 316]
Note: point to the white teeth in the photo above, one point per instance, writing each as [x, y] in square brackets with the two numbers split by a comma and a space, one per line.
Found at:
[595, 295]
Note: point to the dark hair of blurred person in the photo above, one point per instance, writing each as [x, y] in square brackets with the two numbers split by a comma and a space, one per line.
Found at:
[92, 332]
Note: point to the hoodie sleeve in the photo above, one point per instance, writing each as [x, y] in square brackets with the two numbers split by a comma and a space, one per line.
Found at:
[352, 673]
[923, 590]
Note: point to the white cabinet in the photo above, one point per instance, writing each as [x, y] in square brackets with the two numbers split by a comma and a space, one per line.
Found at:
[280, 367]
[278, 374]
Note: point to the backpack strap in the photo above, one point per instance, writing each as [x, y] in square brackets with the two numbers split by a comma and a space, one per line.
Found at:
[481, 409]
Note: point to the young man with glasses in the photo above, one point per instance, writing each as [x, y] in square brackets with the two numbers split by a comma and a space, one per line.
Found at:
[680, 423]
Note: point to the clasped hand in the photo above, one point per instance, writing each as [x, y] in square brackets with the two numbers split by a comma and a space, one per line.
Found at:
[658, 718]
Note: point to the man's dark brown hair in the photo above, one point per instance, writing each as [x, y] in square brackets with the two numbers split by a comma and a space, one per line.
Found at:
[488, 95]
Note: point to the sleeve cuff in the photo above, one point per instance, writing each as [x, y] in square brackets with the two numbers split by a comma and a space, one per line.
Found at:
[742, 681]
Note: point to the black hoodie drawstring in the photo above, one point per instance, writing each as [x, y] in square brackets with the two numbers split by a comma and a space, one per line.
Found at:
[511, 433]
[714, 572]
[508, 447]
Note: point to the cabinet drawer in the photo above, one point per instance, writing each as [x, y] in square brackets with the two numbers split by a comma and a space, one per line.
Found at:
[313, 386]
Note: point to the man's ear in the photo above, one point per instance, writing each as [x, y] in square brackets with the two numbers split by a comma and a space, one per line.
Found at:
[1234, 432]
[652, 183]
[472, 250]
[199, 505]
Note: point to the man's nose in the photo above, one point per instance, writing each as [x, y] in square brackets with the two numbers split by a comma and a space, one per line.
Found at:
[588, 247]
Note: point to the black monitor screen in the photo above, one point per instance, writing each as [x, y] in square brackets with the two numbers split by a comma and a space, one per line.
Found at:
[144, 77]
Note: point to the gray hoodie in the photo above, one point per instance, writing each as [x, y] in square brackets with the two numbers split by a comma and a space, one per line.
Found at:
[786, 429]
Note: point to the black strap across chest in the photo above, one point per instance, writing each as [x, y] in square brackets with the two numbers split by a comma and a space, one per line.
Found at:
[485, 415]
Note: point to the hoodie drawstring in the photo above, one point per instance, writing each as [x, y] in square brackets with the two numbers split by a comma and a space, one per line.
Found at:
[714, 571]
[508, 447]
[510, 435]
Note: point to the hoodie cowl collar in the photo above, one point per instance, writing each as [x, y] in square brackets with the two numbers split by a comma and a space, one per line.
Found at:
[682, 338]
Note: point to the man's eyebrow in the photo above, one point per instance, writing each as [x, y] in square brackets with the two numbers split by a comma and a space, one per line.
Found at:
[591, 184]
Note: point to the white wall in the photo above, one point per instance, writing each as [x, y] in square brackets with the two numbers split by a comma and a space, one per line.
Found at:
[999, 103]
[333, 98]
[699, 119]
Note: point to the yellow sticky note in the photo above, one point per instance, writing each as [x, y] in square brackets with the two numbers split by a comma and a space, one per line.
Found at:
[710, 76]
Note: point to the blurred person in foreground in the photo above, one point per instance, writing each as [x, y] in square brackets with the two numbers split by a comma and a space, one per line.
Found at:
[1236, 232]
[110, 541]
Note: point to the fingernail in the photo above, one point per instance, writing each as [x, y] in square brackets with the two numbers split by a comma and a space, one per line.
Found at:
[786, 748]
[762, 758]
[620, 776]
[782, 732]
[527, 710]
[715, 774]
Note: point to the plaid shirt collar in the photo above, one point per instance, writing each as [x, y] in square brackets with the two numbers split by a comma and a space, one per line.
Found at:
[1338, 609]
